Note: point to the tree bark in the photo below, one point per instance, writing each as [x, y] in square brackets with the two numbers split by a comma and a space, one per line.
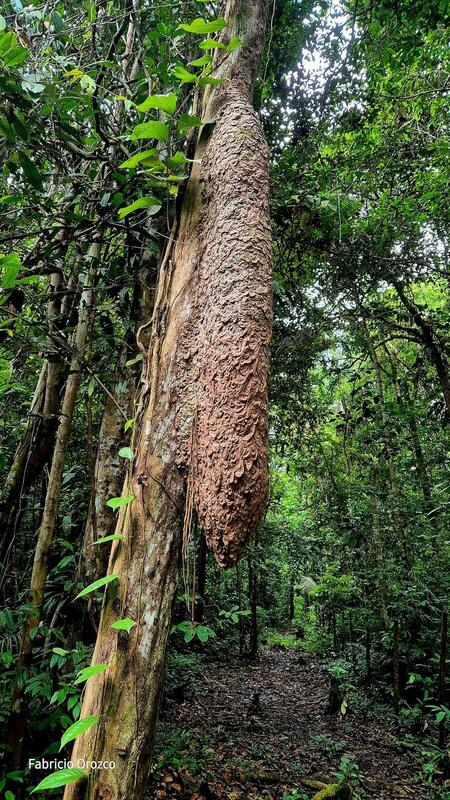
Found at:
[203, 410]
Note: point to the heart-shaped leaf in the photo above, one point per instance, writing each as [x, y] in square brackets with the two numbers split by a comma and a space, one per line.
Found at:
[125, 624]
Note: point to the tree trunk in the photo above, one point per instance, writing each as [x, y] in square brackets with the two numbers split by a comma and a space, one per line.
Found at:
[35, 447]
[442, 671]
[396, 666]
[253, 600]
[202, 420]
[368, 657]
[379, 557]
[291, 603]
[202, 553]
[47, 528]
[241, 619]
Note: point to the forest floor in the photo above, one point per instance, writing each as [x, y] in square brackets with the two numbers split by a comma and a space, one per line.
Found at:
[211, 746]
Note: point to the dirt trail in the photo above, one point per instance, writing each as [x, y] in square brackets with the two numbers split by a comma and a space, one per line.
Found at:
[246, 756]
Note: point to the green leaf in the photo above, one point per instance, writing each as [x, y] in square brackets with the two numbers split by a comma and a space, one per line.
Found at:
[116, 502]
[60, 778]
[77, 728]
[201, 62]
[204, 633]
[129, 424]
[234, 44]
[30, 171]
[60, 652]
[201, 26]
[125, 624]
[165, 102]
[210, 81]
[188, 121]
[2, 23]
[152, 204]
[97, 585]
[151, 130]
[183, 75]
[211, 44]
[10, 795]
[440, 717]
[86, 673]
[178, 159]
[147, 157]
[126, 452]
[344, 707]
[11, 266]
[113, 537]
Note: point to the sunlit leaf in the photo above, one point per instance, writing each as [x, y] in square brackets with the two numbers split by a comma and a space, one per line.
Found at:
[60, 778]
[78, 727]
[88, 672]
[125, 624]
[201, 26]
[97, 585]
[164, 102]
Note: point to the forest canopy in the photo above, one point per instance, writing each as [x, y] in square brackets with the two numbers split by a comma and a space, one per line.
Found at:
[225, 399]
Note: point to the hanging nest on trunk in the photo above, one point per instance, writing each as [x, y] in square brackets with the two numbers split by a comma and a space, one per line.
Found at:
[235, 291]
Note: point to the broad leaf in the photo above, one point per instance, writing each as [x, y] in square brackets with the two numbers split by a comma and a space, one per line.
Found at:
[152, 204]
[234, 44]
[201, 26]
[183, 75]
[164, 102]
[60, 778]
[211, 44]
[78, 727]
[178, 159]
[125, 624]
[97, 585]
[88, 672]
[31, 172]
[202, 61]
[188, 121]
[126, 452]
[149, 156]
[116, 502]
[151, 130]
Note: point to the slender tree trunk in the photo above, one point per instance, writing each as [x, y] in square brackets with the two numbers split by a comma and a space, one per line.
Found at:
[110, 468]
[108, 476]
[396, 666]
[47, 528]
[241, 619]
[291, 605]
[202, 553]
[206, 368]
[379, 556]
[368, 657]
[442, 672]
[253, 600]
